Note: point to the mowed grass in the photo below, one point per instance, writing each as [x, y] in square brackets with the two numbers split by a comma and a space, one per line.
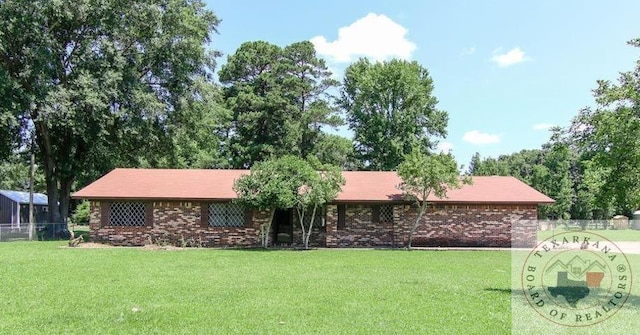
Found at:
[612, 235]
[48, 289]
[526, 321]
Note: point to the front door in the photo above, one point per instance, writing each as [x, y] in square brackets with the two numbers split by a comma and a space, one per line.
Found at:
[283, 227]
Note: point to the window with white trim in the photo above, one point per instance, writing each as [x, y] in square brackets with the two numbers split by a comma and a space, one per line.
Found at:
[130, 214]
[226, 214]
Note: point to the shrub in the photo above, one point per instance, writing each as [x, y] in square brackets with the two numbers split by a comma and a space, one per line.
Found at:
[81, 215]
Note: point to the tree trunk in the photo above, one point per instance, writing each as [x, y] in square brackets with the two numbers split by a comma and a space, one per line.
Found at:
[65, 198]
[304, 231]
[266, 230]
[52, 195]
[307, 236]
[46, 151]
[423, 209]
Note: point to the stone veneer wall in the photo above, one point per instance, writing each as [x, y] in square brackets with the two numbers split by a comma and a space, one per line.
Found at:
[444, 225]
[175, 222]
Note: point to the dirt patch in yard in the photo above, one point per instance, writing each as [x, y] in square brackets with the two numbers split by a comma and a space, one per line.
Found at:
[92, 245]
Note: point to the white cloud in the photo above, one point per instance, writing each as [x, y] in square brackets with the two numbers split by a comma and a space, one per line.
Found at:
[478, 137]
[511, 57]
[467, 52]
[543, 126]
[374, 36]
[444, 147]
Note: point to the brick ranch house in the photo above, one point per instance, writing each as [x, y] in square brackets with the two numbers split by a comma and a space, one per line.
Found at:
[140, 206]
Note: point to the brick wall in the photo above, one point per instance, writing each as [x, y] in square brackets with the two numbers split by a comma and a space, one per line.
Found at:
[176, 223]
[444, 225]
[450, 225]
[473, 225]
[360, 230]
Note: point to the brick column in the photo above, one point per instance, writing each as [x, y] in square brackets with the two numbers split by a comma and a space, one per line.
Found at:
[331, 226]
[400, 225]
[524, 233]
[95, 218]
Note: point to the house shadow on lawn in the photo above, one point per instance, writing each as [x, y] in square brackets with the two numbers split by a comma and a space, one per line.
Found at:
[269, 249]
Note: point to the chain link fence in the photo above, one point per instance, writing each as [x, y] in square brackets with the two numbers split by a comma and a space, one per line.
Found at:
[615, 223]
[41, 232]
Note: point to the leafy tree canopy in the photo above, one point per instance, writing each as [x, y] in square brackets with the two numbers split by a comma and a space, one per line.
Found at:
[96, 80]
[289, 182]
[280, 99]
[391, 110]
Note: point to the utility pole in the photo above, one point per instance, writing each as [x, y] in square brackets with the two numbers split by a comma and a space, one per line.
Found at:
[31, 178]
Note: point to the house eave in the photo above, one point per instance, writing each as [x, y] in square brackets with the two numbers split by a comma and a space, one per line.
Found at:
[336, 202]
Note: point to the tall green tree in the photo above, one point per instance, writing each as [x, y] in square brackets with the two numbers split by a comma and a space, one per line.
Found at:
[608, 136]
[97, 79]
[391, 109]
[307, 85]
[424, 175]
[474, 165]
[548, 170]
[519, 164]
[553, 177]
[335, 150]
[199, 129]
[280, 100]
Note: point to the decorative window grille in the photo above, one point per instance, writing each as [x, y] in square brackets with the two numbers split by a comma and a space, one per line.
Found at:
[318, 219]
[386, 213]
[226, 214]
[127, 214]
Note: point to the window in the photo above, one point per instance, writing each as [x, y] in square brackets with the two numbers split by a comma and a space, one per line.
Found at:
[382, 213]
[386, 213]
[131, 214]
[319, 218]
[226, 214]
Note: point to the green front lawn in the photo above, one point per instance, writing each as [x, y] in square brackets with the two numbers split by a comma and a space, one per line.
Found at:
[612, 235]
[50, 289]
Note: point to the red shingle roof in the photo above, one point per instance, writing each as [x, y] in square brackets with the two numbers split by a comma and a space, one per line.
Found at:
[361, 186]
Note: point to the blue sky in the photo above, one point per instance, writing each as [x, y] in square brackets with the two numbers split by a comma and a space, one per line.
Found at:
[503, 70]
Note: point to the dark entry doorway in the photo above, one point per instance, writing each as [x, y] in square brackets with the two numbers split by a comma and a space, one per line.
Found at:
[283, 227]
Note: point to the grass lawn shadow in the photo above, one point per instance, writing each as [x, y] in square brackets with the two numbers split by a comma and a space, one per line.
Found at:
[503, 290]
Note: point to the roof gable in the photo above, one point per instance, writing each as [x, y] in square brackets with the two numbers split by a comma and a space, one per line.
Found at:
[360, 186]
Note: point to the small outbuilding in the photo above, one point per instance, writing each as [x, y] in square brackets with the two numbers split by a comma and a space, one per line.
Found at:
[14, 208]
[620, 222]
[635, 224]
